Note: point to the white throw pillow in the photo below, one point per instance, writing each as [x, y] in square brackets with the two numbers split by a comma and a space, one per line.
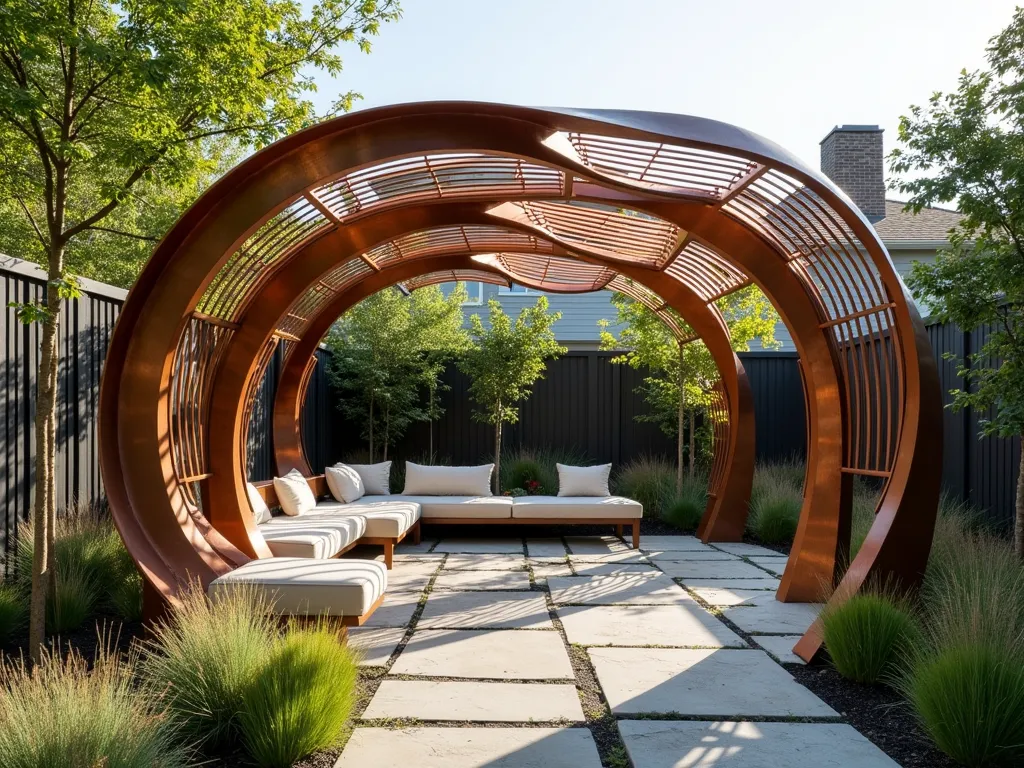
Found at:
[424, 480]
[376, 478]
[344, 483]
[294, 494]
[260, 510]
[583, 481]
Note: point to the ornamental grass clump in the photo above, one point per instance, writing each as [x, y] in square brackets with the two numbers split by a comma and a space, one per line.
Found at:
[687, 508]
[64, 715]
[868, 635]
[13, 612]
[301, 700]
[649, 480]
[522, 465]
[205, 656]
[966, 683]
[774, 511]
[92, 570]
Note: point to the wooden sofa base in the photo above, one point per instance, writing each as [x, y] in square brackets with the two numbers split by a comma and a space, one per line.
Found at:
[389, 543]
[619, 523]
[338, 621]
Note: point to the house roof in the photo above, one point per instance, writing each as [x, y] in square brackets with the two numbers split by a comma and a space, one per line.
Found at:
[931, 225]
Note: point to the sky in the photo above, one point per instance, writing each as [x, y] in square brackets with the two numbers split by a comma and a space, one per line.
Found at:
[789, 70]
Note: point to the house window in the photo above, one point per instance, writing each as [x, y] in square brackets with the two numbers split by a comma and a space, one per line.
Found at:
[515, 288]
[474, 294]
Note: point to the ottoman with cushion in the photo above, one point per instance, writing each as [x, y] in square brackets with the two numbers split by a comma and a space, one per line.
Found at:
[348, 589]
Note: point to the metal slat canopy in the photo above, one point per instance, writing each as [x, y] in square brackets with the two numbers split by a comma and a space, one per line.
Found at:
[677, 207]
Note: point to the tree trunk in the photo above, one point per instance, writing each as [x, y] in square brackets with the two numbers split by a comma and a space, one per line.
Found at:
[497, 450]
[371, 429]
[44, 512]
[680, 437]
[1018, 525]
[693, 443]
[430, 427]
[387, 431]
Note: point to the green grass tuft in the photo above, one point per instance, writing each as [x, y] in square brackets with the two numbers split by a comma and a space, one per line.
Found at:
[205, 656]
[775, 514]
[302, 699]
[867, 635]
[62, 715]
[687, 508]
[74, 597]
[13, 612]
[650, 480]
[970, 699]
[520, 465]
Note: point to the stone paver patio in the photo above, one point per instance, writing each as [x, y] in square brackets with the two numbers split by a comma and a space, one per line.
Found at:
[496, 647]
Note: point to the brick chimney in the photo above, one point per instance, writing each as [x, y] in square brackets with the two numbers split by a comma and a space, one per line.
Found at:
[851, 155]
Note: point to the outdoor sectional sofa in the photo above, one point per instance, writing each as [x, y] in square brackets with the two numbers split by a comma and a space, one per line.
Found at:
[334, 527]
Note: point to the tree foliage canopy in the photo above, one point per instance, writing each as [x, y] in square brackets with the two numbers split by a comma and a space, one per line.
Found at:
[508, 358]
[681, 375]
[115, 116]
[387, 350]
[968, 146]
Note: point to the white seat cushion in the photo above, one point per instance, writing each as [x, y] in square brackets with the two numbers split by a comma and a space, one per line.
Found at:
[301, 587]
[310, 535]
[385, 516]
[464, 506]
[576, 507]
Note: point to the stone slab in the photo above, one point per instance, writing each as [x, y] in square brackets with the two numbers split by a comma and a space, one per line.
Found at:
[408, 548]
[486, 562]
[711, 569]
[625, 556]
[774, 564]
[726, 597]
[661, 555]
[673, 544]
[375, 645]
[541, 573]
[480, 546]
[396, 610]
[611, 569]
[595, 545]
[622, 589]
[411, 576]
[767, 583]
[701, 683]
[485, 610]
[506, 654]
[685, 624]
[764, 614]
[487, 580]
[476, 702]
[747, 550]
[471, 748]
[545, 548]
[781, 647]
[700, 744]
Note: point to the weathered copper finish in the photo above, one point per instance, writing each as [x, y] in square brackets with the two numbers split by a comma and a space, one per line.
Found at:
[689, 208]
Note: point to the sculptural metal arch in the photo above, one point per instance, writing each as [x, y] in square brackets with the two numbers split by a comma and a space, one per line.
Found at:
[675, 210]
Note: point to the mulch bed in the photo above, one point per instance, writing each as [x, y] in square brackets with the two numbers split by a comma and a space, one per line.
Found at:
[878, 712]
[86, 639]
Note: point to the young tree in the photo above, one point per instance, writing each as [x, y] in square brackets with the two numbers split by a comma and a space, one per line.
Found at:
[101, 101]
[968, 146]
[505, 362]
[387, 350]
[680, 375]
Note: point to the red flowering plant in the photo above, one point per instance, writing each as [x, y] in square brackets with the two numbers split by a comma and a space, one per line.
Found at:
[532, 487]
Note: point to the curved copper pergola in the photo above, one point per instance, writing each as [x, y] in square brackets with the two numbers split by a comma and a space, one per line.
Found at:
[674, 210]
